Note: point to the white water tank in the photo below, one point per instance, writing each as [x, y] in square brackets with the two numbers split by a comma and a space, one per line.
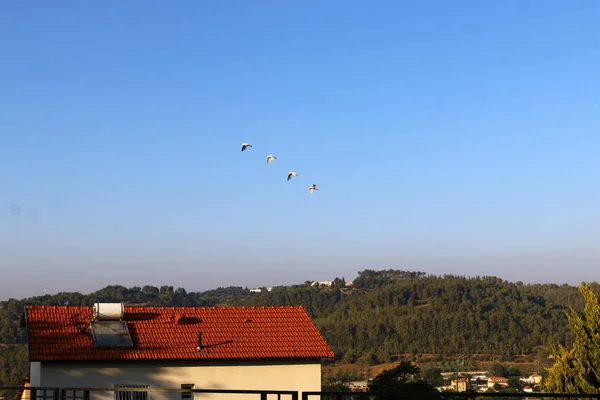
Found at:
[109, 311]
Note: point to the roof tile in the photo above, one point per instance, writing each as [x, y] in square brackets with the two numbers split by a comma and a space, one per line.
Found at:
[273, 332]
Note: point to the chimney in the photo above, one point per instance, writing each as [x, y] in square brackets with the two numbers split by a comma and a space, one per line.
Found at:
[199, 341]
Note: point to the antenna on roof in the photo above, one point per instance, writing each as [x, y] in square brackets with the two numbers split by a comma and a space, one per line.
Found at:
[200, 348]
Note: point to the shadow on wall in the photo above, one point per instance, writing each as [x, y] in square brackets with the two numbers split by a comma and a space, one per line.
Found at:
[164, 378]
[263, 382]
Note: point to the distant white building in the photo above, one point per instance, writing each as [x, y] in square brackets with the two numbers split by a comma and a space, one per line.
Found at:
[259, 290]
[358, 386]
[532, 379]
[323, 283]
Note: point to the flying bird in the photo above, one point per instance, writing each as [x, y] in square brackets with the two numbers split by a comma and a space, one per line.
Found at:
[312, 188]
[291, 174]
[245, 145]
[270, 158]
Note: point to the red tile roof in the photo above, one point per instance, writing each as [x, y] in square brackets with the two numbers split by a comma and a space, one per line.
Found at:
[62, 333]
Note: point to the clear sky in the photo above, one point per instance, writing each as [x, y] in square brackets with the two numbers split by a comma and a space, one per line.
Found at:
[447, 137]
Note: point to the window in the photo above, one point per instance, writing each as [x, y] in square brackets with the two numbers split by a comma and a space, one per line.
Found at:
[187, 395]
[131, 395]
[69, 394]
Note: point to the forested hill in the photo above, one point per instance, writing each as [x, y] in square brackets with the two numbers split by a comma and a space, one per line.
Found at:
[383, 315]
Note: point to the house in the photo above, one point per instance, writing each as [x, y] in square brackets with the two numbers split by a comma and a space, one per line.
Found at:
[110, 346]
[463, 384]
[532, 379]
[493, 380]
[358, 386]
[479, 383]
[322, 283]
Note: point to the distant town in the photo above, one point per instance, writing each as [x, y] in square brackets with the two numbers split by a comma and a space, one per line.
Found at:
[473, 381]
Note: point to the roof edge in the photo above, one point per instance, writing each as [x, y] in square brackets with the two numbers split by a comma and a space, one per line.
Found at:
[26, 321]
[180, 360]
[171, 308]
[319, 333]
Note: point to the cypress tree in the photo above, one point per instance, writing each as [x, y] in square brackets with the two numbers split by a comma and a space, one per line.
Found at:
[577, 370]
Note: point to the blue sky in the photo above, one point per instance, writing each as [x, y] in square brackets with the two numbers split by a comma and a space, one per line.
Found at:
[447, 137]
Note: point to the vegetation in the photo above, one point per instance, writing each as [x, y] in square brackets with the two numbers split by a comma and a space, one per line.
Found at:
[577, 370]
[400, 379]
[13, 366]
[386, 316]
[505, 371]
[433, 376]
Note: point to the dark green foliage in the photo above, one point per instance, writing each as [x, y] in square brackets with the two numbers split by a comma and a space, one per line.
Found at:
[13, 367]
[399, 379]
[406, 313]
[370, 279]
[334, 387]
[577, 369]
[498, 370]
[514, 382]
[433, 376]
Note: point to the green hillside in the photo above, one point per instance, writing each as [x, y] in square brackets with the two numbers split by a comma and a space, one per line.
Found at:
[388, 313]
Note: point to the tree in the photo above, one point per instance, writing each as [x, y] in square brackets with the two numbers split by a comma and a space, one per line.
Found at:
[577, 370]
[433, 376]
[400, 379]
[514, 382]
[338, 283]
[498, 370]
[371, 358]
[513, 371]
[335, 387]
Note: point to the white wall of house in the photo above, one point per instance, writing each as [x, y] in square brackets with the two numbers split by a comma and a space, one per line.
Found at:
[296, 375]
[35, 371]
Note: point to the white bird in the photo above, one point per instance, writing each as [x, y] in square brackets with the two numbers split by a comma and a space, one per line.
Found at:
[312, 188]
[291, 174]
[270, 158]
[245, 145]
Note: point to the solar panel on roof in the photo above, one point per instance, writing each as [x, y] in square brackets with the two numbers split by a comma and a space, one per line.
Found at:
[111, 334]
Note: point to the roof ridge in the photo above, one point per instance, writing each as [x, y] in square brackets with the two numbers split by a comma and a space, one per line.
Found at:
[54, 307]
[168, 308]
[171, 308]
